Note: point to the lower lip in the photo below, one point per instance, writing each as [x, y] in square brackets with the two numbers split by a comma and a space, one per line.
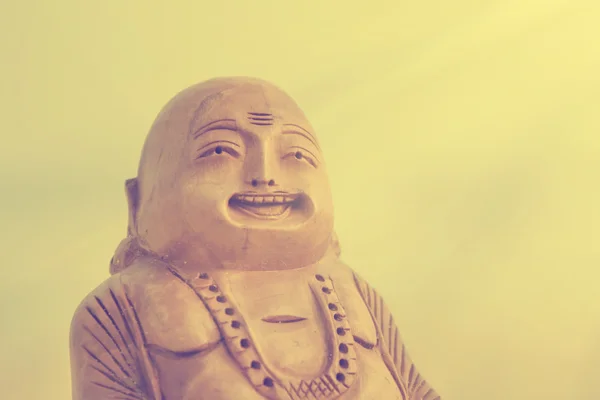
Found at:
[274, 212]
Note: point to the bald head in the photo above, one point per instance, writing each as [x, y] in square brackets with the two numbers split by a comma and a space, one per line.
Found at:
[262, 104]
[229, 166]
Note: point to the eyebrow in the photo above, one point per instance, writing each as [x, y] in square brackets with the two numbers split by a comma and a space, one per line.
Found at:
[214, 125]
[302, 132]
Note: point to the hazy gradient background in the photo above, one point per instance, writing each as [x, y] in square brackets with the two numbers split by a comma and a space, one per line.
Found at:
[462, 139]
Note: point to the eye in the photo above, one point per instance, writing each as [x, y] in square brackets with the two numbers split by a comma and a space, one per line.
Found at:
[302, 155]
[218, 150]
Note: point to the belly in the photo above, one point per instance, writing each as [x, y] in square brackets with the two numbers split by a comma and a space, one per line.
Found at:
[215, 376]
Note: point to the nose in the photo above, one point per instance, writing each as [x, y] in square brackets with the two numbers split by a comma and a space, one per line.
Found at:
[260, 166]
[261, 182]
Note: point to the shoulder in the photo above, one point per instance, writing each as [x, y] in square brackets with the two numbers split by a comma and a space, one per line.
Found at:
[348, 287]
[130, 289]
[167, 312]
[97, 311]
[346, 279]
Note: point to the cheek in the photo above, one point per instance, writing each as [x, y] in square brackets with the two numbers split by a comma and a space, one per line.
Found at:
[160, 221]
[319, 190]
[216, 171]
[298, 173]
[204, 195]
[208, 186]
[305, 177]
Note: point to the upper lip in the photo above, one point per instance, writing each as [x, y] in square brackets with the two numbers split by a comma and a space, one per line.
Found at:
[274, 198]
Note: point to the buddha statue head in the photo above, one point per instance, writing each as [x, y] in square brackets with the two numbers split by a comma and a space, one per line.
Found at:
[231, 176]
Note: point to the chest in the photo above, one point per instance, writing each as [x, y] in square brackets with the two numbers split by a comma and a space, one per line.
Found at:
[281, 335]
[298, 320]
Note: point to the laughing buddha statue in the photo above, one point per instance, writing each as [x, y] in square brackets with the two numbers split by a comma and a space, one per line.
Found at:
[229, 284]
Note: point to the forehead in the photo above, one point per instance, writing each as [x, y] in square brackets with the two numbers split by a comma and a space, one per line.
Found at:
[252, 103]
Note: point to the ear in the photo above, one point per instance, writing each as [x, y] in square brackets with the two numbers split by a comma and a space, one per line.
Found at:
[334, 244]
[132, 193]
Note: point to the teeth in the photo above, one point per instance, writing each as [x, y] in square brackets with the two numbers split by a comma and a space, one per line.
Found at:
[265, 199]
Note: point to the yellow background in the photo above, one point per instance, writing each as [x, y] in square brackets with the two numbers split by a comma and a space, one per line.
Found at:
[462, 139]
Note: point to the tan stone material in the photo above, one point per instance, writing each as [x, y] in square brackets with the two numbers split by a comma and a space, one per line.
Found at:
[229, 284]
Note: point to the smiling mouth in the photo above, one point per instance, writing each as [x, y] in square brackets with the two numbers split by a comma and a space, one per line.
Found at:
[276, 205]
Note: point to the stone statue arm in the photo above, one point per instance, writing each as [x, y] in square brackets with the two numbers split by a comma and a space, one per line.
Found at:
[109, 359]
[393, 347]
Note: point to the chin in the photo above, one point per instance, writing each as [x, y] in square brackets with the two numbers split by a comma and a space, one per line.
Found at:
[276, 253]
[275, 232]
[256, 231]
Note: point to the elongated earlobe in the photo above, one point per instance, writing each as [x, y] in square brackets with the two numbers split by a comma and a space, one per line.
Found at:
[334, 245]
[132, 192]
[124, 256]
[128, 249]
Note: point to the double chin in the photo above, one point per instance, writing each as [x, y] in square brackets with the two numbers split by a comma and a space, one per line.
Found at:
[289, 236]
